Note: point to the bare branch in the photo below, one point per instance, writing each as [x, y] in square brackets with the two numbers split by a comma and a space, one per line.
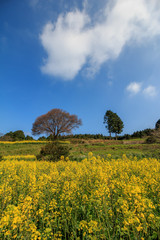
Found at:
[55, 122]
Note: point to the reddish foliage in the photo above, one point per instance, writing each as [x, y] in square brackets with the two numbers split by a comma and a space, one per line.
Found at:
[55, 122]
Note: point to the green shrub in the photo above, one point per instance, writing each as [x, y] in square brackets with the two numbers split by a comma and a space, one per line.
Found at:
[151, 140]
[53, 151]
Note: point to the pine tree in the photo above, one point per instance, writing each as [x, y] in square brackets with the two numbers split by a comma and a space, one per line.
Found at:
[113, 123]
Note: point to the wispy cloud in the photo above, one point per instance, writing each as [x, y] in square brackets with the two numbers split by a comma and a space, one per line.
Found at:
[134, 88]
[75, 40]
[150, 91]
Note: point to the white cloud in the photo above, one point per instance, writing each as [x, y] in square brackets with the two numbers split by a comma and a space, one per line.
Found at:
[134, 88]
[150, 91]
[75, 39]
[66, 44]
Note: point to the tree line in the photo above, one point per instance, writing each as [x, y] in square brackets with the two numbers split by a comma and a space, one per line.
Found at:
[15, 136]
[57, 123]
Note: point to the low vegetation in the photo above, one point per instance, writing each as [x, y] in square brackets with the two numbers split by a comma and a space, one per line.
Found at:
[79, 148]
[53, 151]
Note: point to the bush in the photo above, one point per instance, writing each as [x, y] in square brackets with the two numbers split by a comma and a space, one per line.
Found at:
[53, 151]
[6, 138]
[151, 140]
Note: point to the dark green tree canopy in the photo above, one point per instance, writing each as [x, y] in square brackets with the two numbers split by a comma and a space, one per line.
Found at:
[28, 138]
[157, 124]
[19, 135]
[113, 123]
[108, 121]
[15, 136]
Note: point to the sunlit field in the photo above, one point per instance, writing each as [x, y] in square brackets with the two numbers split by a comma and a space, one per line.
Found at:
[81, 147]
[93, 199]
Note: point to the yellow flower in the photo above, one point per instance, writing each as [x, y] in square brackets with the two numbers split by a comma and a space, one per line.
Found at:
[90, 155]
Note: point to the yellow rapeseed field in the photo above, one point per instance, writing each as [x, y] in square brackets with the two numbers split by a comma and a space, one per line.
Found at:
[30, 142]
[20, 157]
[93, 199]
[23, 142]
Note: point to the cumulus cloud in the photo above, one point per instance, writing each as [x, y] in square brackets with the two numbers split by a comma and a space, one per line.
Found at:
[67, 45]
[150, 91]
[75, 40]
[134, 88]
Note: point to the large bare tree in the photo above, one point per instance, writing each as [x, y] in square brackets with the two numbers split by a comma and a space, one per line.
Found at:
[55, 122]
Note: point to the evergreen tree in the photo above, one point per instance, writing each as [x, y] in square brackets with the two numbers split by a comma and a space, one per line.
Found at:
[157, 124]
[113, 123]
[108, 120]
[117, 125]
[18, 135]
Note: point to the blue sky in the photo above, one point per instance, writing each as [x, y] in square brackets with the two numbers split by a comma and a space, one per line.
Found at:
[84, 57]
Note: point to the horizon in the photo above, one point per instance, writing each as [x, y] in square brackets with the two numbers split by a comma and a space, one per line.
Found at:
[113, 135]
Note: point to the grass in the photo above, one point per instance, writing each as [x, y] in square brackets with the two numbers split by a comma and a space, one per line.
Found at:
[80, 149]
[23, 147]
[20, 149]
[116, 149]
